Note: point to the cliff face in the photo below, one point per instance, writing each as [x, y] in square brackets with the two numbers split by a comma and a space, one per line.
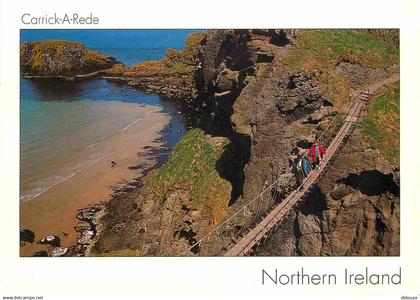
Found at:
[354, 209]
[228, 61]
[283, 96]
[55, 58]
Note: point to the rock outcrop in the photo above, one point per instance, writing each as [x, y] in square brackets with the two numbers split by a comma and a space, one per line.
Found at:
[58, 252]
[87, 231]
[51, 240]
[26, 236]
[172, 77]
[62, 59]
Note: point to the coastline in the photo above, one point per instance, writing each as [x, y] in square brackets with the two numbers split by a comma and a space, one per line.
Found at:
[54, 211]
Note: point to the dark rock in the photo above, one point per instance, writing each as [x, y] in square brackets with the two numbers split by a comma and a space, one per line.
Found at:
[372, 183]
[26, 236]
[358, 74]
[339, 192]
[264, 58]
[87, 233]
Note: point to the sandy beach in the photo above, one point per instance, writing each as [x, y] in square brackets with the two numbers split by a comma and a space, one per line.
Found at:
[53, 212]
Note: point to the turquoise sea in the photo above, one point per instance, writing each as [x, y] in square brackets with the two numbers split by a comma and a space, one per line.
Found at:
[60, 120]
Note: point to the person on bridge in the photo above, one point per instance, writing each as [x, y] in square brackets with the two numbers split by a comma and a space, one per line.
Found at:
[317, 152]
[298, 170]
[302, 170]
[306, 166]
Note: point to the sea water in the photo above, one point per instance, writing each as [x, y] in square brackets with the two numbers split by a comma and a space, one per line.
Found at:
[62, 124]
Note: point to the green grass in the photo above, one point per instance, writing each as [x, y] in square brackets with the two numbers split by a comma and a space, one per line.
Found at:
[179, 68]
[382, 123]
[59, 43]
[324, 49]
[333, 45]
[192, 167]
[304, 129]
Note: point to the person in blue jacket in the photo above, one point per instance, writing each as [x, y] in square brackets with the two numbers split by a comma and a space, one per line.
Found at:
[306, 166]
[302, 170]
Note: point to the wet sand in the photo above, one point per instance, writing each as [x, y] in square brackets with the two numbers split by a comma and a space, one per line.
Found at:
[54, 211]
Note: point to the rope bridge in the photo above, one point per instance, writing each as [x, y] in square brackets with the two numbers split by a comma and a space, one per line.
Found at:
[232, 238]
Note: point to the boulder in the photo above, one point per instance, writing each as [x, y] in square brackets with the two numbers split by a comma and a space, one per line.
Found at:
[26, 236]
[228, 80]
[52, 240]
[308, 224]
[58, 251]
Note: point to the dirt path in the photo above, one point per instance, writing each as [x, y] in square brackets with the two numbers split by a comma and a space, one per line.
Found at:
[375, 86]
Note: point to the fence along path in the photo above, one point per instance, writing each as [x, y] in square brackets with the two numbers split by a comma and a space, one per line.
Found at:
[228, 240]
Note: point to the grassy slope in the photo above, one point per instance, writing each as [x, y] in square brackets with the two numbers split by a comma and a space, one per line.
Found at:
[382, 123]
[191, 166]
[323, 49]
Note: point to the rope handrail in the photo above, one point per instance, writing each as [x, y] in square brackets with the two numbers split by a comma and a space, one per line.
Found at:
[274, 182]
[286, 204]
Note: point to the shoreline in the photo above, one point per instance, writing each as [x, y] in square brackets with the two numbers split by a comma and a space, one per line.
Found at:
[175, 95]
[145, 149]
[130, 189]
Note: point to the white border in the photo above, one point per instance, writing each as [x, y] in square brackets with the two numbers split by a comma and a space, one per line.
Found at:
[206, 278]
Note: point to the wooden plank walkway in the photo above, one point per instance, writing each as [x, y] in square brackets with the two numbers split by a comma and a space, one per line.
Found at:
[244, 246]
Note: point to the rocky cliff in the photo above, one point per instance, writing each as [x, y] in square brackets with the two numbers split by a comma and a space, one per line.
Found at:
[61, 59]
[354, 209]
[282, 107]
[285, 109]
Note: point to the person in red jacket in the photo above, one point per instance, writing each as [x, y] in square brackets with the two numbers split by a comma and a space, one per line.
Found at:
[317, 152]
